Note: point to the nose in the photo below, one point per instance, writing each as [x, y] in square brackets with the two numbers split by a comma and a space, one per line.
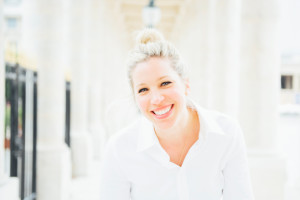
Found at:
[156, 97]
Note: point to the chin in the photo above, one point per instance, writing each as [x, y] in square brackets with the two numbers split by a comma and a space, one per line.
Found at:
[163, 125]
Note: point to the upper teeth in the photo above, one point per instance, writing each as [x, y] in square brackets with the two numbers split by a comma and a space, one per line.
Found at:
[162, 111]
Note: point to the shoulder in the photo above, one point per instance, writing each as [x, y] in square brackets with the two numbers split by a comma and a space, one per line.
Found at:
[223, 132]
[219, 124]
[125, 139]
[224, 121]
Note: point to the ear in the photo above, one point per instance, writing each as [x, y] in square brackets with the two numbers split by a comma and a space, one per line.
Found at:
[187, 86]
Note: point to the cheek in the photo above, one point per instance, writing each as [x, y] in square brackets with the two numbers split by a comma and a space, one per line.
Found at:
[142, 103]
[176, 94]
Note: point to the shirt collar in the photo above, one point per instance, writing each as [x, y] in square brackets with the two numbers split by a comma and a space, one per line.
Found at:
[147, 137]
[208, 121]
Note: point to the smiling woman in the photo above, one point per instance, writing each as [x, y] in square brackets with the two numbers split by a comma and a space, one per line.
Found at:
[160, 93]
[176, 150]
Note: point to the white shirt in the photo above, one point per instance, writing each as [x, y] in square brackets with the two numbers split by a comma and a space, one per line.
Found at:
[136, 167]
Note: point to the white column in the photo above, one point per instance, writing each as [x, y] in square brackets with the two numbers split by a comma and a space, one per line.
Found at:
[259, 95]
[224, 79]
[206, 24]
[203, 46]
[289, 128]
[210, 42]
[95, 64]
[260, 72]
[43, 40]
[195, 41]
[80, 137]
[118, 105]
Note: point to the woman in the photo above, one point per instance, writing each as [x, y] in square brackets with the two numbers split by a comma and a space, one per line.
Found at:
[176, 150]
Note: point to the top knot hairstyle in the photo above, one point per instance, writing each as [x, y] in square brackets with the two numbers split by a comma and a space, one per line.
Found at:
[148, 36]
[151, 43]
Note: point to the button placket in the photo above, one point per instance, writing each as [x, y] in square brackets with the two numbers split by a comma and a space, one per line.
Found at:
[182, 186]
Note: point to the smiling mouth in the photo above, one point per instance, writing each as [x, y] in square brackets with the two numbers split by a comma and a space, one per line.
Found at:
[163, 111]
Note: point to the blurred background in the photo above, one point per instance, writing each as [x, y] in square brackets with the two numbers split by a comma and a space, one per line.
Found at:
[64, 88]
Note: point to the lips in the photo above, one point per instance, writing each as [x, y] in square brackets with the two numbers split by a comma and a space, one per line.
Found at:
[164, 112]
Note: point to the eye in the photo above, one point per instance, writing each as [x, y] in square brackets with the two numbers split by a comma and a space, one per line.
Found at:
[142, 90]
[166, 83]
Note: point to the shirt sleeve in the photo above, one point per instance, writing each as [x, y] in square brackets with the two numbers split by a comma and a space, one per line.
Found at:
[237, 184]
[113, 183]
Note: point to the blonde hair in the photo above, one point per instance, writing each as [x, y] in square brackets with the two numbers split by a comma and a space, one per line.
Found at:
[151, 43]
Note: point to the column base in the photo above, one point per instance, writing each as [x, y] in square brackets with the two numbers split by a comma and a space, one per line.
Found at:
[9, 188]
[81, 146]
[268, 175]
[53, 172]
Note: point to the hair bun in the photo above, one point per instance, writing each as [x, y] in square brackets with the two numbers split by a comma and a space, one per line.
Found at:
[149, 35]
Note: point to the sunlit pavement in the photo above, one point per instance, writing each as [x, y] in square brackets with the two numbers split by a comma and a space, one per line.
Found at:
[87, 188]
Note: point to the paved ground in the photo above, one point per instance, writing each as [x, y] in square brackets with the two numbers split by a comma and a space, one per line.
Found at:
[86, 188]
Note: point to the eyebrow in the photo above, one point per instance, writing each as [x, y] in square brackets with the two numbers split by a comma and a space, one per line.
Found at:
[162, 77]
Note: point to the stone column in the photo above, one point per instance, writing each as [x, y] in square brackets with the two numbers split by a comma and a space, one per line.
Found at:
[259, 95]
[260, 72]
[43, 40]
[195, 42]
[119, 106]
[210, 42]
[80, 137]
[224, 79]
[96, 63]
[289, 127]
[206, 26]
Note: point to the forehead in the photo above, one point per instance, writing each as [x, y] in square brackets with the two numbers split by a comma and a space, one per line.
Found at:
[153, 68]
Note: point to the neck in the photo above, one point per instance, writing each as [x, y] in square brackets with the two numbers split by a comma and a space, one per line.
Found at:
[188, 125]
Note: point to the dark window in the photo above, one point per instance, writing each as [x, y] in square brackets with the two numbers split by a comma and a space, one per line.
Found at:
[20, 128]
[286, 82]
[68, 114]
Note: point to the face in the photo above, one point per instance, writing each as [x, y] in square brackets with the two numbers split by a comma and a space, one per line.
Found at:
[160, 92]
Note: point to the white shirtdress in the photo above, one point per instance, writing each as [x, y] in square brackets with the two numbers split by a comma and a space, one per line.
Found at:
[136, 167]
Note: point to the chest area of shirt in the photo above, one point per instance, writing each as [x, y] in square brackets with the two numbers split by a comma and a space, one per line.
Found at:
[150, 167]
[199, 179]
[178, 152]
